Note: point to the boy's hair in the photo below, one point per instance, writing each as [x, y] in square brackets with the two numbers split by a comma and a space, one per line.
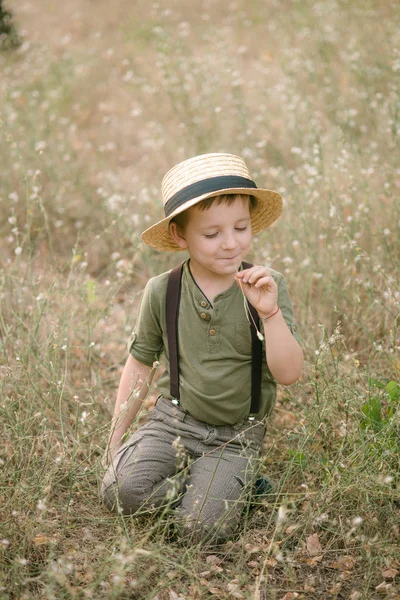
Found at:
[182, 219]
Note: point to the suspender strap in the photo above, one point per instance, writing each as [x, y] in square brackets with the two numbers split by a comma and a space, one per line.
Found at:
[256, 357]
[172, 313]
[256, 363]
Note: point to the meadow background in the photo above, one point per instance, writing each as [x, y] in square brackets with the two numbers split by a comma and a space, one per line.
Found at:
[96, 104]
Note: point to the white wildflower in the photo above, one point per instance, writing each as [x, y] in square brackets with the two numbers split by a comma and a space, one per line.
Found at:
[41, 505]
[40, 146]
[282, 515]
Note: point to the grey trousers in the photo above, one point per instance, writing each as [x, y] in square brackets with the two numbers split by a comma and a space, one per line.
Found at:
[203, 471]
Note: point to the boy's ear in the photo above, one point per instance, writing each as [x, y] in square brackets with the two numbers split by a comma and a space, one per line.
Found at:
[177, 235]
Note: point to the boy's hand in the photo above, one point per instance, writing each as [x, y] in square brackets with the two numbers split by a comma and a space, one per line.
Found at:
[260, 289]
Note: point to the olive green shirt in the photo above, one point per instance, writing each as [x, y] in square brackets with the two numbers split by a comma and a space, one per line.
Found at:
[214, 343]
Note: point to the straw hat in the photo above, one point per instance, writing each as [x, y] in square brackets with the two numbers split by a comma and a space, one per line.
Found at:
[205, 176]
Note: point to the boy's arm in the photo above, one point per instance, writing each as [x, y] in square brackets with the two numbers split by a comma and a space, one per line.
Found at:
[284, 355]
[133, 387]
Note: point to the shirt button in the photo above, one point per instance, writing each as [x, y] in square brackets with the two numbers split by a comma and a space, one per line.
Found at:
[203, 303]
[212, 332]
[203, 316]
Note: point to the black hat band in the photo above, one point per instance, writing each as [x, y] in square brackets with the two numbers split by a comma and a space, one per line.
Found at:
[206, 186]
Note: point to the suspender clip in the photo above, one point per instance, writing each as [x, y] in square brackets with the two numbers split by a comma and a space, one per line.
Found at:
[175, 401]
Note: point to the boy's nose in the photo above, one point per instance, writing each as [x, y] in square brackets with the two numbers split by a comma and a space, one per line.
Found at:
[229, 242]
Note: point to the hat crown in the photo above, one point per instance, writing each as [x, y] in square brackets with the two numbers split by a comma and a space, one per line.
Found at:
[200, 168]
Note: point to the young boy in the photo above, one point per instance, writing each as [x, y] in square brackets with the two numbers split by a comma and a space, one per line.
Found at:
[199, 450]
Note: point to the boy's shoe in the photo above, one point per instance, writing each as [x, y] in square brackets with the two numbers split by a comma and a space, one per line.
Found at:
[263, 486]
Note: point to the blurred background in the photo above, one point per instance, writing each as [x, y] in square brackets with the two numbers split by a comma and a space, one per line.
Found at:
[100, 99]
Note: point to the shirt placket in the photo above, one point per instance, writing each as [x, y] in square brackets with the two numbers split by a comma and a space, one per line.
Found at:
[213, 332]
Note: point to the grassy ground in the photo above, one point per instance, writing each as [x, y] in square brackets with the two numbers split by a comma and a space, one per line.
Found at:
[97, 103]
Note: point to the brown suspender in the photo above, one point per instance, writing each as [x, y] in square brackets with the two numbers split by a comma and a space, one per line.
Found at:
[172, 313]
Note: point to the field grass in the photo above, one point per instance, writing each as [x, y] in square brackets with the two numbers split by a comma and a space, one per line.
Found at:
[96, 104]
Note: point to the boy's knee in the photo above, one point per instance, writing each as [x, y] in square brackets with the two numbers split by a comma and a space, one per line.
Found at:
[123, 495]
[115, 501]
[131, 494]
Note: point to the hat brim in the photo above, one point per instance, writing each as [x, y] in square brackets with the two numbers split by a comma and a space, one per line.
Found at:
[268, 209]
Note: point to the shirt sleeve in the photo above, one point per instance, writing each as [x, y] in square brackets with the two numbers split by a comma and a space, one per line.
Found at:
[146, 341]
[285, 305]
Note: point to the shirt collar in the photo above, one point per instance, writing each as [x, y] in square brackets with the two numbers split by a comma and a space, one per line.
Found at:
[197, 293]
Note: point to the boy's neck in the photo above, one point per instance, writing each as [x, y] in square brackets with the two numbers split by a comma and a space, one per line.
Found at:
[211, 285]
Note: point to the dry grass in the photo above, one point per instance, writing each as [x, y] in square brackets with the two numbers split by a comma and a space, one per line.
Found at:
[98, 102]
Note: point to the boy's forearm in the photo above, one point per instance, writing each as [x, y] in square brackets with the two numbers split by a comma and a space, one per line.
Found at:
[133, 388]
[283, 353]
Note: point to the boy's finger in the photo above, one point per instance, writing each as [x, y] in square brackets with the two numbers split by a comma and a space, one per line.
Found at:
[251, 269]
[253, 275]
[264, 281]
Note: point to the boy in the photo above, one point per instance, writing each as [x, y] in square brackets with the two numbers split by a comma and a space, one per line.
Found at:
[200, 447]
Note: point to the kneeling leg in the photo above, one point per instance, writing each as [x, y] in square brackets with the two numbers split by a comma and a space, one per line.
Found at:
[144, 473]
[217, 492]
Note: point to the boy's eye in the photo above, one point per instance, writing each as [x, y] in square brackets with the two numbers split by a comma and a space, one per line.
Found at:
[213, 235]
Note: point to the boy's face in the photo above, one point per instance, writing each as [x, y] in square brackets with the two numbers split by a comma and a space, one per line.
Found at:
[217, 238]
